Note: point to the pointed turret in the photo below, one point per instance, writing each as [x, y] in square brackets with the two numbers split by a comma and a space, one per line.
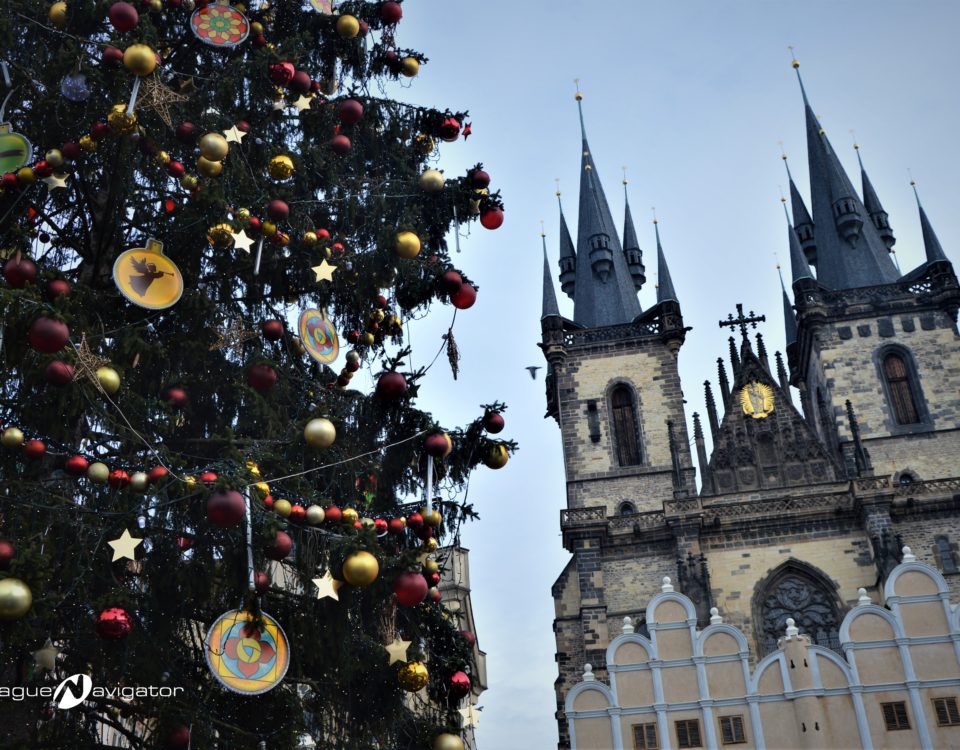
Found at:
[802, 222]
[550, 307]
[665, 290]
[568, 256]
[789, 318]
[799, 267]
[871, 202]
[931, 244]
[850, 252]
[631, 247]
[604, 291]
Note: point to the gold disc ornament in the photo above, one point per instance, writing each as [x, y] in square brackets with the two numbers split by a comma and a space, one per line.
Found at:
[413, 676]
[247, 655]
[147, 277]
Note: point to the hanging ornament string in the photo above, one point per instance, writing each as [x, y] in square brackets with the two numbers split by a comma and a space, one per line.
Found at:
[429, 498]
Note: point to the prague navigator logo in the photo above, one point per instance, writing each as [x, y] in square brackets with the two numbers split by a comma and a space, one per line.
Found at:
[66, 695]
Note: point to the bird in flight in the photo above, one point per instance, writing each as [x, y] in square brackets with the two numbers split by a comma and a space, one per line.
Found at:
[532, 369]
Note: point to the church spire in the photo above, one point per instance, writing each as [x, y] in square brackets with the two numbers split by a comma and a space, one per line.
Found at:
[871, 202]
[931, 244]
[631, 247]
[850, 251]
[604, 292]
[789, 319]
[568, 256]
[802, 222]
[550, 307]
[665, 290]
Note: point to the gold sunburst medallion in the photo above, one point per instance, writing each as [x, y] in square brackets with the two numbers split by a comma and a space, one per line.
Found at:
[757, 400]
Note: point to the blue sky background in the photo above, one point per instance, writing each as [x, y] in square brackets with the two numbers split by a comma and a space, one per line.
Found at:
[693, 97]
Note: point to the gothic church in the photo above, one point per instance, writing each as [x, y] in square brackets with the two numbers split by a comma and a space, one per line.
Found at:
[806, 517]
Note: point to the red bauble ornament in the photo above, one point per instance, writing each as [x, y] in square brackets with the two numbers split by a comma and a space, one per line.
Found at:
[298, 513]
[99, 131]
[123, 16]
[175, 396]
[300, 83]
[261, 582]
[458, 685]
[415, 521]
[70, 149]
[272, 330]
[438, 445]
[186, 132]
[380, 526]
[58, 288]
[469, 637]
[261, 377]
[364, 28]
[48, 335]
[391, 12]
[450, 282]
[184, 542]
[118, 479]
[178, 738]
[410, 589]
[281, 547]
[449, 129]
[332, 514]
[268, 502]
[340, 144]
[323, 235]
[435, 594]
[42, 169]
[112, 57]
[20, 271]
[278, 210]
[350, 111]
[59, 373]
[434, 579]
[114, 624]
[176, 170]
[479, 179]
[464, 297]
[208, 477]
[157, 474]
[281, 73]
[391, 386]
[396, 526]
[34, 449]
[7, 553]
[492, 218]
[225, 508]
[76, 466]
[493, 422]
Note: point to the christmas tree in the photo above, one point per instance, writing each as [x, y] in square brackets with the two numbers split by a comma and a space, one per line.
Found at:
[198, 201]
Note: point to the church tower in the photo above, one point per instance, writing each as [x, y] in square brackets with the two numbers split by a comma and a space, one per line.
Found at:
[831, 472]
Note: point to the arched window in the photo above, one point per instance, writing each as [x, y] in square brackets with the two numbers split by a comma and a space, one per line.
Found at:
[627, 508]
[626, 436]
[794, 591]
[944, 551]
[899, 389]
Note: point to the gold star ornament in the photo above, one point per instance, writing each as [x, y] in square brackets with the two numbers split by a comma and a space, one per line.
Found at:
[303, 103]
[327, 586]
[55, 181]
[233, 135]
[397, 650]
[324, 272]
[124, 547]
[241, 241]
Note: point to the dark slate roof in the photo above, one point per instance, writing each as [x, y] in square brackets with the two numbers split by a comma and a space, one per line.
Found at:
[665, 290]
[789, 318]
[630, 241]
[797, 206]
[799, 267]
[870, 199]
[931, 244]
[566, 243]
[599, 303]
[550, 307]
[840, 265]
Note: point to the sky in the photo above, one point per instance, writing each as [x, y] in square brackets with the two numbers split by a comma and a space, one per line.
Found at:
[694, 99]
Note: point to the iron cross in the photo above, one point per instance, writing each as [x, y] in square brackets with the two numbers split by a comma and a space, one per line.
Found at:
[742, 321]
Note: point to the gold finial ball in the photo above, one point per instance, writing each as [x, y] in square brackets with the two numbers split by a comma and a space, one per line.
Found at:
[280, 167]
[579, 97]
[362, 569]
[447, 741]
[140, 60]
[121, 122]
[214, 147]
[413, 676]
[795, 63]
[320, 433]
[15, 599]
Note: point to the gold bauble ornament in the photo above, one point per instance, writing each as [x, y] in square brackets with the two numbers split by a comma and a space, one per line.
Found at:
[407, 244]
[139, 481]
[353, 356]
[98, 472]
[140, 60]
[109, 379]
[214, 147]
[256, 28]
[121, 122]
[361, 569]
[309, 238]
[447, 741]
[431, 545]
[409, 66]
[368, 339]
[320, 433]
[329, 86]
[15, 599]
[431, 566]
[377, 316]
[413, 676]
[208, 168]
[58, 14]
[315, 515]
[432, 180]
[262, 488]
[424, 144]
[280, 167]
[162, 158]
[26, 175]
[269, 228]
[87, 143]
[496, 456]
[243, 216]
[12, 437]
[350, 516]
[156, 5]
[188, 182]
[348, 26]
[282, 508]
[220, 236]
[54, 157]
